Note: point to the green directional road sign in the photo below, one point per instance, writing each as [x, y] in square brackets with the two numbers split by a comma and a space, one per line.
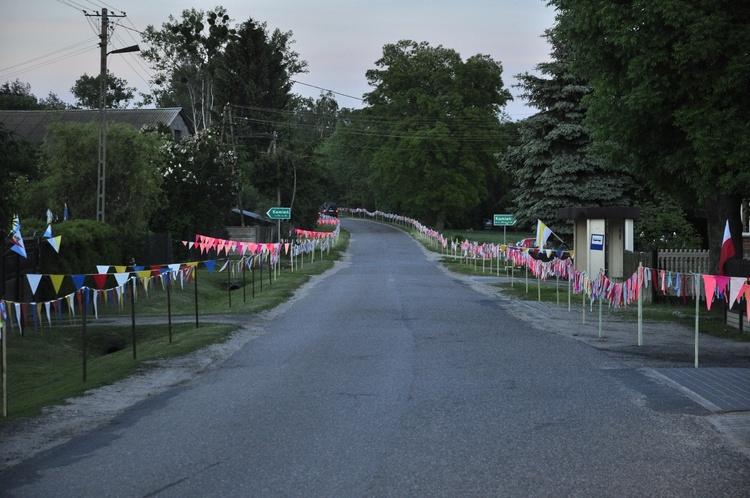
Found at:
[279, 213]
[503, 220]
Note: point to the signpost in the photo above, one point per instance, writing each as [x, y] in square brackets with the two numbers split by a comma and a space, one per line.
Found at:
[503, 220]
[279, 213]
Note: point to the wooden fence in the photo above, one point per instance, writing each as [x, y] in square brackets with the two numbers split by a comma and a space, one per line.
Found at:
[673, 260]
[681, 261]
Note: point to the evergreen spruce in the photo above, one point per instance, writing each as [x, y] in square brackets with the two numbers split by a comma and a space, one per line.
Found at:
[552, 164]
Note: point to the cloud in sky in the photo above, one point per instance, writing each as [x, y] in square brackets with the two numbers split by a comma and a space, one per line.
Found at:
[51, 44]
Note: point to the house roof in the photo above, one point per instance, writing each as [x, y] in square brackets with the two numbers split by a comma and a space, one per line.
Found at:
[263, 220]
[599, 213]
[32, 125]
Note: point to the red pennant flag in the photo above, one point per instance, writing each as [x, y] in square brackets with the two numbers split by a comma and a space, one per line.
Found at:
[100, 279]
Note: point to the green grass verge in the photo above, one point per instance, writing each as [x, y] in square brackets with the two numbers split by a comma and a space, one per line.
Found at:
[709, 322]
[45, 367]
[494, 236]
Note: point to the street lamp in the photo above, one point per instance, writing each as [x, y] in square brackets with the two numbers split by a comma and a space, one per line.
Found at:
[101, 180]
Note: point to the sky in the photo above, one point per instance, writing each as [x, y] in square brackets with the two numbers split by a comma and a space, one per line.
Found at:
[51, 43]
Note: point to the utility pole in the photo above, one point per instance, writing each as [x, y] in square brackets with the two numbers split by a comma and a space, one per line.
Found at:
[236, 177]
[102, 175]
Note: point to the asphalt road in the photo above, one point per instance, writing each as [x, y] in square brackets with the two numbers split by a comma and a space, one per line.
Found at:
[391, 378]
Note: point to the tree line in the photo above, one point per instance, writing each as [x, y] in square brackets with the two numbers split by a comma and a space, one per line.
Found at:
[638, 105]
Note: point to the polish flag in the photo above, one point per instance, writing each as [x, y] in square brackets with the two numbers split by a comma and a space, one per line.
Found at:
[727, 248]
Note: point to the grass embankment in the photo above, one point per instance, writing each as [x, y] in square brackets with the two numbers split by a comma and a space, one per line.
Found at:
[45, 367]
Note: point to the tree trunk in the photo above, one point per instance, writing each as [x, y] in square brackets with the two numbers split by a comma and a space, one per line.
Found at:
[718, 211]
[440, 221]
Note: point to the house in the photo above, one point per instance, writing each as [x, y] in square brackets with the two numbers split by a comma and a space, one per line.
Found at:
[32, 125]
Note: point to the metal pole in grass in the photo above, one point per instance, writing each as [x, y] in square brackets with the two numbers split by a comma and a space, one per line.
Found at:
[600, 316]
[244, 281]
[583, 307]
[640, 304]
[260, 265]
[697, 287]
[132, 313]
[229, 282]
[539, 286]
[84, 342]
[169, 305]
[527, 279]
[195, 279]
[570, 284]
[270, 270]
[3, 340]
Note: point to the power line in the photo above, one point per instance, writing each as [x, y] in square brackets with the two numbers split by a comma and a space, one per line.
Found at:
[16, 70]
[328, 90]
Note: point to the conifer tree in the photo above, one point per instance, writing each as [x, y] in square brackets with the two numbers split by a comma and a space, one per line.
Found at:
[551, 164]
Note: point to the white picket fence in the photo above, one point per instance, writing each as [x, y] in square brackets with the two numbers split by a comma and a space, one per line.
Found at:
[683, 261]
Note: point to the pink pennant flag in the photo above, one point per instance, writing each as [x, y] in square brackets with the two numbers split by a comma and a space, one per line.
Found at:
[709, 282]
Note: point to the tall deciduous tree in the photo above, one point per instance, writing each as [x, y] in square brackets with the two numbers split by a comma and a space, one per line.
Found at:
[17, 96]
[197, 193]
[18, 160]
[87, 91]
[69, 176]
[257, 67]
[255, 75]
[438, 118]
[184, 53]
[670, 96]
[552, 165]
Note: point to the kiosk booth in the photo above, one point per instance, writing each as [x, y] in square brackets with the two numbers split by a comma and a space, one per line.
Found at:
[601, 235]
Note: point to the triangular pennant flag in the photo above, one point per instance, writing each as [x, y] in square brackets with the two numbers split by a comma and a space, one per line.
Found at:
[709, 283]
[102, 268]
[18, 247]
[34, 282]
[18, 317]
[121, 278]
[95, 301]
[47, 309]
[736, 285]
[48, 233]
[78, 280]
[721, 284]
[55, 243]
[100, 279]
[121, 269]
[57, 281]
[210, 265]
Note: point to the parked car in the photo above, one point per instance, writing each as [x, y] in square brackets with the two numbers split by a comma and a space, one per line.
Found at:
[528, 242]
[330, 209]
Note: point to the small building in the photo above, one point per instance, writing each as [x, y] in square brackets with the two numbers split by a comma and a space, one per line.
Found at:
[247, 226]
[600, 237]
[32, 125]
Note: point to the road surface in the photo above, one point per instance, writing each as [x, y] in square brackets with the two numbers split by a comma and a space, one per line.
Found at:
[392, 378]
